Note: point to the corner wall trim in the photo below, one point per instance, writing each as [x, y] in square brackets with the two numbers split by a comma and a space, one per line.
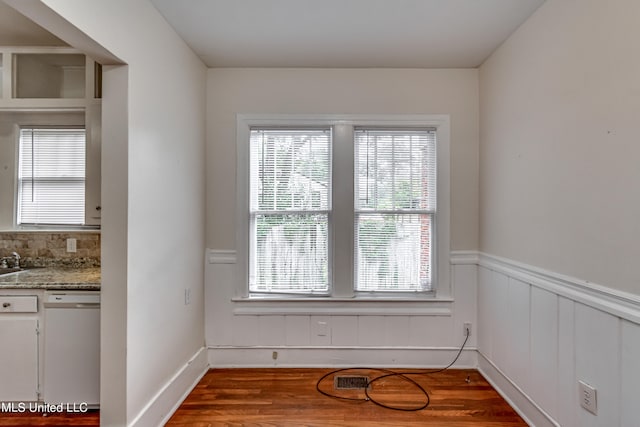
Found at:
[167, 400]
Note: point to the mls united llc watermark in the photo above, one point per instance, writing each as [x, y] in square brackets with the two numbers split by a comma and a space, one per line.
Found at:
[22, 407]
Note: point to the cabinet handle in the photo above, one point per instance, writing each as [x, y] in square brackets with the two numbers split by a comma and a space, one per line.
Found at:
[6, 304]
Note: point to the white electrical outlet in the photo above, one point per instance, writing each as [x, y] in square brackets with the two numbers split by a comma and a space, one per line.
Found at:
[187, 296]
[71, 245]
[588, 397]
[466, 327]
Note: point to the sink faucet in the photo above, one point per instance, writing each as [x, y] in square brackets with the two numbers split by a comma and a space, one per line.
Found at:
[17, 259]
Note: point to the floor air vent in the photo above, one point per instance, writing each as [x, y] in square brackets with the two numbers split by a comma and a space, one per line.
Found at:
[350, 382]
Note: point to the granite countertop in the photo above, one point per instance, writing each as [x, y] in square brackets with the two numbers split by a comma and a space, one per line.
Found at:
[53, 278]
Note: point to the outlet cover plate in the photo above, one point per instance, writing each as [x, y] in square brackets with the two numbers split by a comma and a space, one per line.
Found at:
[466, 327]
[588, 397]
[71, 245]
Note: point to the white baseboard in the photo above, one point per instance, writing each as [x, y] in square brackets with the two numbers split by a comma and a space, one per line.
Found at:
[519, 400]
[339, 357]
[171, 396]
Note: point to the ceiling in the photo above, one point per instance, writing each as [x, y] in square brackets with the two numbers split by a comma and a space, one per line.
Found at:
[324, 33]
[345, 33]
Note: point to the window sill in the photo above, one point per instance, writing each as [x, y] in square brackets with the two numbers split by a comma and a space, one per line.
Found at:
[326, 306]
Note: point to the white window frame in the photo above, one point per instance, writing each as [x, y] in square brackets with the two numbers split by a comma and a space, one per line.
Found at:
[342, 214]
[88, 118]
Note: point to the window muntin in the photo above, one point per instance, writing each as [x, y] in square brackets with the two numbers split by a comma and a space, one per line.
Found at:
[51, 176]
[289, 203]
[395, 199]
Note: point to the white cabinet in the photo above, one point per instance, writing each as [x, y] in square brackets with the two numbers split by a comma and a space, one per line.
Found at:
[53, 75]
[50, 86]
[19, 370]
[72, 347]
[48, 77]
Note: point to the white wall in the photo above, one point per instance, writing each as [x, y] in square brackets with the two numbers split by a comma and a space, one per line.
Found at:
[559, 173]
[341, 91]
[558, 285]
[114, 251]
[153, 180]
[248, 335]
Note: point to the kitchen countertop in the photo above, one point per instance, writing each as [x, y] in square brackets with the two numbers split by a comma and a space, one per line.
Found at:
[53, 278]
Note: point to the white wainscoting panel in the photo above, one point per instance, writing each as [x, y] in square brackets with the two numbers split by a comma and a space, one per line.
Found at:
[500, 312]
[518, 332]
[270, 329]
[539, 333]
[598, 363]
[347, 334]
[567, 409]
[297, 331]
[486, 316]
[630, 369]
[416, 332]
[424, 331]
[464, 276]
[544, 341]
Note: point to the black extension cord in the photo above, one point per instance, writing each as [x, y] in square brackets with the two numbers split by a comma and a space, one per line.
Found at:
[386, 373]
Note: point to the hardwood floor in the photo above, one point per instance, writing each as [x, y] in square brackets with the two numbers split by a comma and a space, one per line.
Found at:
[288, 397]
[33, 419]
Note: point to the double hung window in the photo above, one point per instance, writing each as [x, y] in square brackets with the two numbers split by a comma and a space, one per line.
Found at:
[51, 176]
[395, 174]
[342, 208]
[290, 201]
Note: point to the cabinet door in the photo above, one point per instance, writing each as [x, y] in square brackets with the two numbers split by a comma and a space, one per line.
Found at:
[18, 359]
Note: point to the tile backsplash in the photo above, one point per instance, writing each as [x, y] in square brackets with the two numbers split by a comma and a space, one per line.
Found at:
[46, 249]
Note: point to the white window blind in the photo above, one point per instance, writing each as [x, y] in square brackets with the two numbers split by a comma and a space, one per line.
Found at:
[395, 206]
[290, 194]
[51, 176]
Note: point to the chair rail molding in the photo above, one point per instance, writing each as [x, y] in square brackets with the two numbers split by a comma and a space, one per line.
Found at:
[618, 303]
